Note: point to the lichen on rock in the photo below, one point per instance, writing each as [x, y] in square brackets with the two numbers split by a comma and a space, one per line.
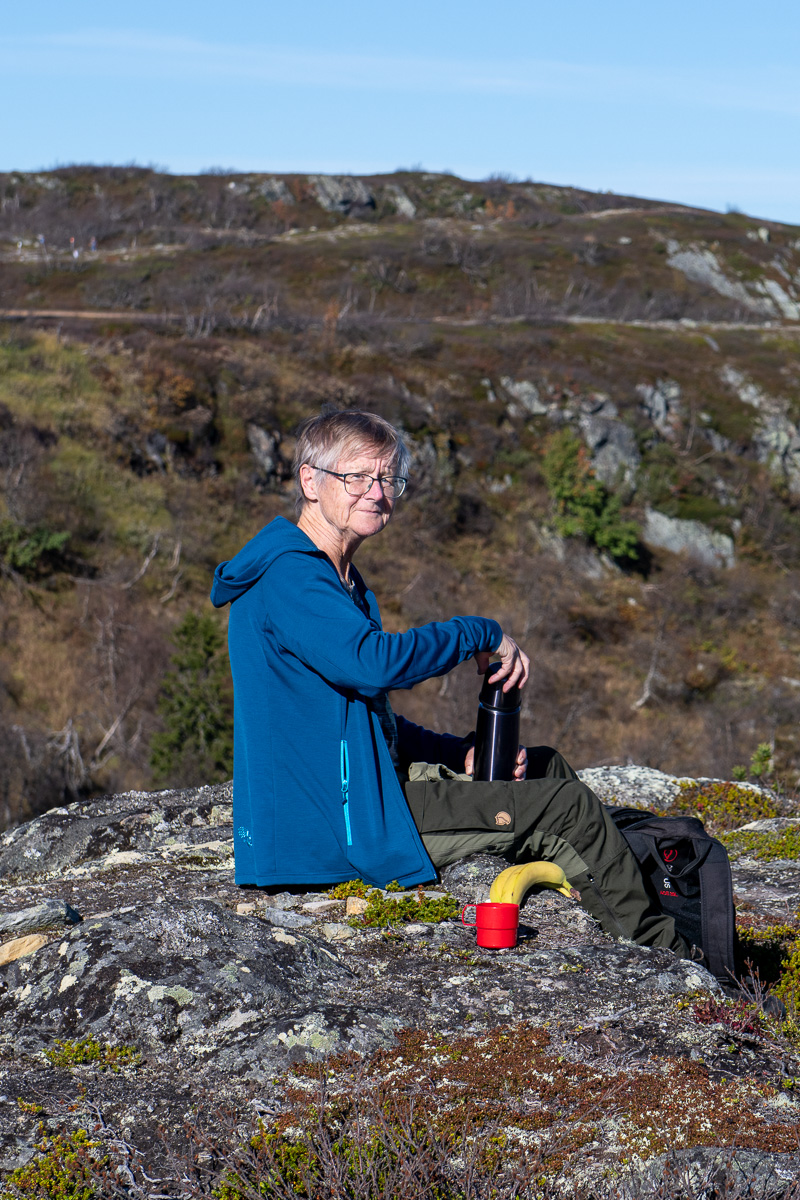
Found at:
[223, 1003]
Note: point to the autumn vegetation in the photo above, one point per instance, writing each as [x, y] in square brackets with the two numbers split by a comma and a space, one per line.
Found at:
[146, 431]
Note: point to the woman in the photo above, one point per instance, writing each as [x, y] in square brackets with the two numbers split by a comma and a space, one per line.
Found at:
[319, 757]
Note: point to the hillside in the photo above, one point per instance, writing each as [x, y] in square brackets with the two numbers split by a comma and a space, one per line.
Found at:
[579, 375]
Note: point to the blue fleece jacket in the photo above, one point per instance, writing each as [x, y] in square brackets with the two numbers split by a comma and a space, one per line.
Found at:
[315, 796]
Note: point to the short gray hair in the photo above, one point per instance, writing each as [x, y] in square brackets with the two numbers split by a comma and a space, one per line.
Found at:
[324, 440]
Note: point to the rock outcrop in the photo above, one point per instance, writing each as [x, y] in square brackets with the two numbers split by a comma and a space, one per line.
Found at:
[688, 537]
[138, 937]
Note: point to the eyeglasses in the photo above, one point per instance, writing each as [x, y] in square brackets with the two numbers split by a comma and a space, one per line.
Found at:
[358, 484]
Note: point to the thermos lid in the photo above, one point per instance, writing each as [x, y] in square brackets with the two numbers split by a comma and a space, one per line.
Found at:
[493, 696]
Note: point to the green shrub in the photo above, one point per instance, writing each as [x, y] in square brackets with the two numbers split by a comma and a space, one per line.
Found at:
[271, 1161]
[353, 887]
[381, 911]
[772, 952]
[34, 552]
[761, 764]
[357, 887]
[763, 845]
[788, 986]
[583, 506]
[722, 806]
[65, 1167]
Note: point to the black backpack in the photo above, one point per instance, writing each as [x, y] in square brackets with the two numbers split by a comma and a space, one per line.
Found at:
[688, 876]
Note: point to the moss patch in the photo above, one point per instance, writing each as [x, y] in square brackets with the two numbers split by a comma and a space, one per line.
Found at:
[101, 1055]
[762, 844]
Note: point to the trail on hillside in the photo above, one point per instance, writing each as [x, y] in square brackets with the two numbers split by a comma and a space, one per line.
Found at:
[685, 325]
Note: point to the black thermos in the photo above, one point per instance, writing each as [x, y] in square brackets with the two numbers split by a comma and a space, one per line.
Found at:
[497, 729]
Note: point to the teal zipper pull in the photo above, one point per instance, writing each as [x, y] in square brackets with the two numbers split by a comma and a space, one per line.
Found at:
[344, 762]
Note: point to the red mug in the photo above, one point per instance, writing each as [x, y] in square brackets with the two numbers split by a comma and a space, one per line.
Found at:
[496, 924]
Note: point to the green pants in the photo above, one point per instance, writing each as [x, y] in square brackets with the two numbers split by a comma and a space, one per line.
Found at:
[550, 815]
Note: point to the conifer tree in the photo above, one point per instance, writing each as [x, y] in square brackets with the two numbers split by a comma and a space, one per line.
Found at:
[196, 704]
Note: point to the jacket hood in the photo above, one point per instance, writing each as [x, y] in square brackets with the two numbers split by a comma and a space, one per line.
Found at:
[236, 576]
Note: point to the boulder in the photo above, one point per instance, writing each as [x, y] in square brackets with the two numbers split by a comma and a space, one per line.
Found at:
[525, 399]
[615, 455]
[50, 914]
[402, 203]
[273, 189]
[340, 193]
[661, 404]
[701, 265]
[265, 448]
[688, 537]
[192, 977]
[92, 836]
[777, 442]
[776, 437]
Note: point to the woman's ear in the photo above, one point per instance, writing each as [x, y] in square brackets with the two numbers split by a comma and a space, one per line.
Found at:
[308, 481]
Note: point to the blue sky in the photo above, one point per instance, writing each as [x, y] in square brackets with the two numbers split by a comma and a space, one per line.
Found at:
[695, 102]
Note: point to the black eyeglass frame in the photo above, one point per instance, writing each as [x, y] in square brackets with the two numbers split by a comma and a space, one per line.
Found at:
[394, 481]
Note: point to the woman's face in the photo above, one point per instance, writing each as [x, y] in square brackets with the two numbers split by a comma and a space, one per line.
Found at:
[353, 516]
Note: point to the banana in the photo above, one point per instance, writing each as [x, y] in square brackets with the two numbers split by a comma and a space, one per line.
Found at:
[501, 889]
[513, 884]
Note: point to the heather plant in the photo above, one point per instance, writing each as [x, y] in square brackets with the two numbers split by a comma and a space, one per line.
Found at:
[453, 1119]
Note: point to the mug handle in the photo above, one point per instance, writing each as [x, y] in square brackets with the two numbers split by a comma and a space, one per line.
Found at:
[464, 909]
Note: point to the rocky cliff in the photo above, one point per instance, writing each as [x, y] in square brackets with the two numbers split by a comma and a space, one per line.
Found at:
[143, 995]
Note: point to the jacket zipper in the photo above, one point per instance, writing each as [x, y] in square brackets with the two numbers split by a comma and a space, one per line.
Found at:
[344, 761]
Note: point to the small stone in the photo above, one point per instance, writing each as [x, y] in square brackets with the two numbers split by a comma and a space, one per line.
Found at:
[245, 908]
[335, 931]
[319, 906]
[19, 947]
[285, 918]
[281, 900]
[50, 914]
[356, 905]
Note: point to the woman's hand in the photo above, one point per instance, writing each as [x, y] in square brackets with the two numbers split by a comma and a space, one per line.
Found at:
[514, 663]
[520, 770]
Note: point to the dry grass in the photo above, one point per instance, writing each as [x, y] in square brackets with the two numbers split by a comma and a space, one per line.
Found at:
[144, 434]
